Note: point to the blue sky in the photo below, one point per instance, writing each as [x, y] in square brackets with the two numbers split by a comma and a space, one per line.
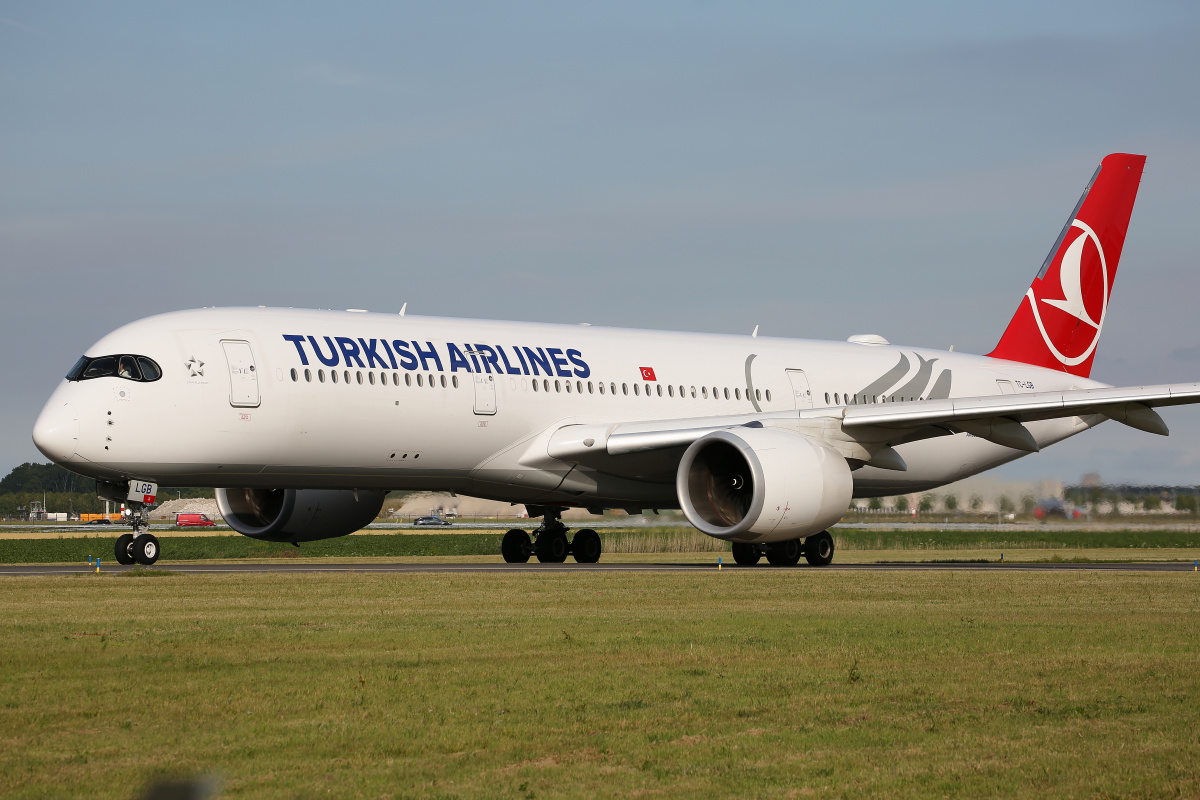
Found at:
[817, 170]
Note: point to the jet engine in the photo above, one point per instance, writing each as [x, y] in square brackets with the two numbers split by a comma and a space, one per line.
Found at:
[297, 515]
[762, 485]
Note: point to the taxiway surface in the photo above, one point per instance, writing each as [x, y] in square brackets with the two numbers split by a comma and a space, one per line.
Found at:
[409, 567]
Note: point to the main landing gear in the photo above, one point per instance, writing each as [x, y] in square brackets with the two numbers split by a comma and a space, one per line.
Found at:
[139, 547]
[816, 549]
[550, 543]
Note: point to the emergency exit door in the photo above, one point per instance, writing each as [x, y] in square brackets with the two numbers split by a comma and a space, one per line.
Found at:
[801, 392]
[243, 376]
[485, 394]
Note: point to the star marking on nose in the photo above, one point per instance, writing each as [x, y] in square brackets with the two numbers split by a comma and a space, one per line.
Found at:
[195, 366]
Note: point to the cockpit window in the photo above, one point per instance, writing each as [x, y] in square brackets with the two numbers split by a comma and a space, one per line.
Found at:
[103, 367]
[150, 370]
[77, 370]
[129, 367]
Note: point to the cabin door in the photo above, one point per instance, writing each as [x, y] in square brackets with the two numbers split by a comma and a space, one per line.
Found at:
[801, 393]
[485, 395]
[243, 376]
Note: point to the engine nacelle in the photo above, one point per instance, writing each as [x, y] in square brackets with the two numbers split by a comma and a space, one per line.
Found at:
[762, 485]
[298, 515]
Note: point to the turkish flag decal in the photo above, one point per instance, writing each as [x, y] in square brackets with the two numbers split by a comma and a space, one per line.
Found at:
[648, 374]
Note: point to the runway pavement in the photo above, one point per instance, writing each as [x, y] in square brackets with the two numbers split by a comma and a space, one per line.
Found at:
[534, 567]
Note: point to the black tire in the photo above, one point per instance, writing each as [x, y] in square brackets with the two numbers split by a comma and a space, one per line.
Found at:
[586, 546]
[746, 555]
[785, 554]
[552, 547]
[121, 551]
[516, 547]
[145, 549]
[818, 549]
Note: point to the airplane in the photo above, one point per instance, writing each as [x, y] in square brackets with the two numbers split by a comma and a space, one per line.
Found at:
[303, 420]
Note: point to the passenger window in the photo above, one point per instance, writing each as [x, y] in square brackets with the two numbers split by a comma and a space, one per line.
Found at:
[671, 390]
[370, 378]
[768, 395]
[535, 385]
[454, 380]
[637, 390]
[443, 381]
[612, 388]
[589, 387]
[333, 376]
[625, 388]
[737, 394]
[660, 390]
[758, 394]
[600, 387]
[308, 376]
[321, 375]
[420, 379]
[295, 377]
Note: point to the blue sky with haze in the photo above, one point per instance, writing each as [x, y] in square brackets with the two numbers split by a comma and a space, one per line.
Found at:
[817, 170]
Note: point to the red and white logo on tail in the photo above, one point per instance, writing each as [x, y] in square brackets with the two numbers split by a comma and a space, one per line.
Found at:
[1059, 321]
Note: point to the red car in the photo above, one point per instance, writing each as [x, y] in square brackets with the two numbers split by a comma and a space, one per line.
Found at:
[193, 521]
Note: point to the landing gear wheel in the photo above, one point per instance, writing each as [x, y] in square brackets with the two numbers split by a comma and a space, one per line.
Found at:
[818, 549]
[787, 554]
[746, 555]
[145, 549]
[551, 547]
[122, 549]
[586, 546]
[516, 547]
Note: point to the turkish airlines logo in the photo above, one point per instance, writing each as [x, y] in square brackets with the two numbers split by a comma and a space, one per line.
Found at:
[648, 374]
[1071, 277]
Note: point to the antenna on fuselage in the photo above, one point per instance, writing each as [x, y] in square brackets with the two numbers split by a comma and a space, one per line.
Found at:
[403, 308]
[754, 333]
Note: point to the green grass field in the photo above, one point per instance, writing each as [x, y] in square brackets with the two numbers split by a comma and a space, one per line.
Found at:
[746, 683]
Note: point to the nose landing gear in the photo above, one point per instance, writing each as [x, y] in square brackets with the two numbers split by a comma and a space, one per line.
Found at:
[550, 543]
[139, 547]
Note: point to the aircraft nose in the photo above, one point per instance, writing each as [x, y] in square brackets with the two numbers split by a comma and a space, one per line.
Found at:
[56, 432]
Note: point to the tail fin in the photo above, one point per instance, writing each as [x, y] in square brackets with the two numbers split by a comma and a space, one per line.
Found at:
[1059, 321]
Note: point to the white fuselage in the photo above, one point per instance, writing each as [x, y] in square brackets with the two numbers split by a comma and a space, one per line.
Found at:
[465, 405]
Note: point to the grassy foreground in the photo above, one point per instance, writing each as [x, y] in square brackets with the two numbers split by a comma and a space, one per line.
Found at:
[738, 683]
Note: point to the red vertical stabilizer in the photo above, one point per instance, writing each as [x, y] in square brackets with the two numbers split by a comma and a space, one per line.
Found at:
[1059, 321]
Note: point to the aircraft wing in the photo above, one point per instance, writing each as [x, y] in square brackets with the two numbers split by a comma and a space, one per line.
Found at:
[999, 418]
[867, 432]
